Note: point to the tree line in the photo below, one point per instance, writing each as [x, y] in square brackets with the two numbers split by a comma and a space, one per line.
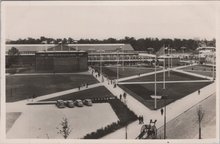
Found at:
[141, 44]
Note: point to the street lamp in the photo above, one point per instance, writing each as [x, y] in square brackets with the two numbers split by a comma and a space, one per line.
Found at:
[100, 60]
[126, 126]
[118, 50]
[76, 42]
[123, 63]
[213, 65]
[163, 112]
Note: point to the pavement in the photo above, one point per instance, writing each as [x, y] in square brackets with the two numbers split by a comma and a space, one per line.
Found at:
[173, 110]
[152, 82]
[187, 125]
[43, 121]
[193, 74]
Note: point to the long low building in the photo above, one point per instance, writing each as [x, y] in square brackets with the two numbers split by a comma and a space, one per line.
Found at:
[45, 56]
[61, 61]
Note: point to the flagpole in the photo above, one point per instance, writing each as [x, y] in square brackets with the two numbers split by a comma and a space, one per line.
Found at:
[155, 83]
[213, 66]
[168, 61]
[171, 58]
[164, 69]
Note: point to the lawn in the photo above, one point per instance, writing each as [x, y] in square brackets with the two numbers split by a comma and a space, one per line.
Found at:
[22, 87]
[111, 72]
[20, 70]
[200, 69]
[174, 91]
[93, 93]
[174, 76]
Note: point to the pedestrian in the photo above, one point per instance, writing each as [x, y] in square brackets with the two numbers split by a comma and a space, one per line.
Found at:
[120, 96]
[114, 85]
[161, 111]
[139, 119]
[124, 95]
[199, 92]
[142, 119]
[79, 88]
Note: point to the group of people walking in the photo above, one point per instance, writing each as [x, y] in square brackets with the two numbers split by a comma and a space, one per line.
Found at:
[85, 85]
[124, 96]
[141, 119]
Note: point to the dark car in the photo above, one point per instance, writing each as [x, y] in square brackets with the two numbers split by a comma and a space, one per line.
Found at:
[78, 103]
[70, 104]
[87, 102]
[60, 104]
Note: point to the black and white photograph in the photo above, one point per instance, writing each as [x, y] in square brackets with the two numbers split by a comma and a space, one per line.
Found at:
[107, 70]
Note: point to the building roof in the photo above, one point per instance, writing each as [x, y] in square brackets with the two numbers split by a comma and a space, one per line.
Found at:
[84, 47]
[61, 52]
[205, 47]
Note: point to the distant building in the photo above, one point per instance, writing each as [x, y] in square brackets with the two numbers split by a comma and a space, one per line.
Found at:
[206, 54]
[61, 61]
[50, 58]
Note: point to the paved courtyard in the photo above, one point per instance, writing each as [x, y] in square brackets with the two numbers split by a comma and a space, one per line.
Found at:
[41, 121]
[85, 120]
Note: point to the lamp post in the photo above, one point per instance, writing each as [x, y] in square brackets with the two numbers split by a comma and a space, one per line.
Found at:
[123, 57]
[213, 65]
[100, 60]
[163, 112]
[126, 126]
[118, 50]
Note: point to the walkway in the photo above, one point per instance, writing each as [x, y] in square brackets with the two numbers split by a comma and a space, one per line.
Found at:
[152, 82]
[173, 109]
[193, 74]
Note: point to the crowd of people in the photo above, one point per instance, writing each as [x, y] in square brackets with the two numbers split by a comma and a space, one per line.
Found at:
[85, 85]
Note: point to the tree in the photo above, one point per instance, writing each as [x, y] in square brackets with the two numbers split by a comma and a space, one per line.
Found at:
[13, 54]
[64, 128]
[200, 115]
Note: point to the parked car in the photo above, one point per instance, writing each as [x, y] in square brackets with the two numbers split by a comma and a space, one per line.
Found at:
[78, 103]
[70, 104]
[60, 104]
[87, 102]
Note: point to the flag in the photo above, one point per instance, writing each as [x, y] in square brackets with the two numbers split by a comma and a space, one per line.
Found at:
[160, 52]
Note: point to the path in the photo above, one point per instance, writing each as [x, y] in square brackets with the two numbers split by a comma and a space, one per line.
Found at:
[152, 82]
[193, 74]
[173, 109]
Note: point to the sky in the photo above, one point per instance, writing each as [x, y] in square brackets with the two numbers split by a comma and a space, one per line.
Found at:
[117, 21]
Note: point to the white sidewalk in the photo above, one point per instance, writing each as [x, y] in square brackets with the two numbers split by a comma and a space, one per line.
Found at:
[152, 82]
[193, 74]
[173, 110]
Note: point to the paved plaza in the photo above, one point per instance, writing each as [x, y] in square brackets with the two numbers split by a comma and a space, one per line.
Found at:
[100, 114]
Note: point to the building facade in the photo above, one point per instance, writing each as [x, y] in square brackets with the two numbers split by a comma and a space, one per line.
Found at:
[61, 61]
